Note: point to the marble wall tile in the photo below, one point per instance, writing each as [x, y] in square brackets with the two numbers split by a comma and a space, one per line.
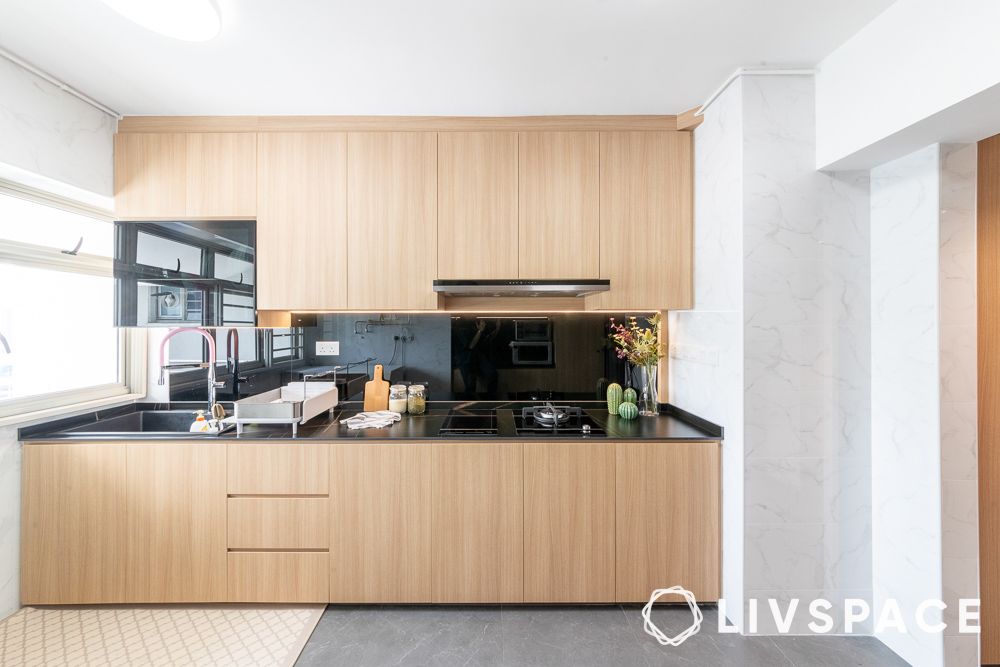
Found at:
[766, 624]
[51, 133]
[10, 521]
[906, 462]
[808, 556]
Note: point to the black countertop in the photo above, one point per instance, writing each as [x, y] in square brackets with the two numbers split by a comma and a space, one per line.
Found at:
[672, 424]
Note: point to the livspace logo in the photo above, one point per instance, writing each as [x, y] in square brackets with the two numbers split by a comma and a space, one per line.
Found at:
[925, 617]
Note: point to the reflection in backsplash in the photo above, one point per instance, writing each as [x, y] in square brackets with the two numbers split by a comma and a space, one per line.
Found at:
[561, 356]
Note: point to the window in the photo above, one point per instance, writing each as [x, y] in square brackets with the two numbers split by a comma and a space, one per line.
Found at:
[58, 345]
[287, 344]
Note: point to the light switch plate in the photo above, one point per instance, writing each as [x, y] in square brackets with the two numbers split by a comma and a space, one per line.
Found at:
[327, 348]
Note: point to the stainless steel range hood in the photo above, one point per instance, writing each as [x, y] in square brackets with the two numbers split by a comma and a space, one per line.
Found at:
[541, 288]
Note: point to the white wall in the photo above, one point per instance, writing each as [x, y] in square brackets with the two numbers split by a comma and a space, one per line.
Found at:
[923, 71]
[776, 348]
[924, 488]
[53, 140]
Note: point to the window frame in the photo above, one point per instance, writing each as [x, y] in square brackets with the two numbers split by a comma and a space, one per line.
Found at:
[131, 382]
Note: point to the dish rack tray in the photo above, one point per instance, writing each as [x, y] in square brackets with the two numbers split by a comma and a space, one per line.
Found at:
[295, 403]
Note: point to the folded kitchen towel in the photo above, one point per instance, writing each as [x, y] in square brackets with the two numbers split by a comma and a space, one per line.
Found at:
[377, 419]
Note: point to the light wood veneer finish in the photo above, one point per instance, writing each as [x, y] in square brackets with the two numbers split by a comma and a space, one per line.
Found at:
[569, 522]
[477, 205]
[279, 468]
[988, 304]
[73, 536]
[176, 516]
[302, 256]
[558, 224]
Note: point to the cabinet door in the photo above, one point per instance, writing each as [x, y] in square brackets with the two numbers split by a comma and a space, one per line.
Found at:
[569, 522]
[73, 524]
[646, 220]
[302, 221]
[477, 522]
[392, 219]
[150, 175]
[558, 227]
[176, 509]
[380, 530]
[668, 523]
[477, 205]
[221, 175]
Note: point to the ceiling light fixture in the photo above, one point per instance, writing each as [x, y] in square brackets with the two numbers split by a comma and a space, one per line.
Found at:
[188, 20]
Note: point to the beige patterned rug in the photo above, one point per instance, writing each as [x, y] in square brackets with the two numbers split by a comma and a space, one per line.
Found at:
[157, 635]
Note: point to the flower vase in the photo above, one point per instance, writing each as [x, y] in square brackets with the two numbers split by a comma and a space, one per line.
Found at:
[648, 401]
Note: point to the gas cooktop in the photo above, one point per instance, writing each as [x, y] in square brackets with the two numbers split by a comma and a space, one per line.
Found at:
[546, 421]
[542, 420]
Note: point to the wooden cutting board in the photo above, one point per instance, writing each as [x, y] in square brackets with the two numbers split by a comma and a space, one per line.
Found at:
[377, 392]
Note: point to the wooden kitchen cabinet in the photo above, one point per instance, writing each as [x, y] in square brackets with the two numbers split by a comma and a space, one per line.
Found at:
[558, 204]
[667, 519]
[477, 205]
[380, 531]
[302, 220]
[73, 535]
[392, 220]
[477, 523]
[569, 522]
[185, 175]
[176, 522]
[646, 221]
[150, 175]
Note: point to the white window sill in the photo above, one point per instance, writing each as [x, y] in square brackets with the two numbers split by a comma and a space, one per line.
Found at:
[30, 418]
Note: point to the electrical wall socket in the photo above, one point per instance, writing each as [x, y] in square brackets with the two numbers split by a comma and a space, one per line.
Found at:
[327, 348]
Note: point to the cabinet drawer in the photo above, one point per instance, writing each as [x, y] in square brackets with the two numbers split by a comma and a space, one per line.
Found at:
[278, 468]
[278, 523]
[279, 576]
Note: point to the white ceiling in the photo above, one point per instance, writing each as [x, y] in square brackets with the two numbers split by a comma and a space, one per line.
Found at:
[434, 57]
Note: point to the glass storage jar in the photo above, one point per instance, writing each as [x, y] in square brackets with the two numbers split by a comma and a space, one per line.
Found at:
[416, 399]
[397, 398]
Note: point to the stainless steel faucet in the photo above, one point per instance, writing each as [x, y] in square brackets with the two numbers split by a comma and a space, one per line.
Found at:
[210, 365]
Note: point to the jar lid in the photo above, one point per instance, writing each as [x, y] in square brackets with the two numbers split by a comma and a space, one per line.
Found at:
[416, 387]
[398, 387]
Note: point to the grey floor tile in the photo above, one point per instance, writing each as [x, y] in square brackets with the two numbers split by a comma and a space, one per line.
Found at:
[837, 651]
[405, 635]
[699, 649]
[577, 636]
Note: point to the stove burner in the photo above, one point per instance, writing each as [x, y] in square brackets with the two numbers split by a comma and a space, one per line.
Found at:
[556, 420]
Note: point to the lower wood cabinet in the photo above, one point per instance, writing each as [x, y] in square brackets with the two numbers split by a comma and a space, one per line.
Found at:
[368, 522]
[175, 505]
[279, 576]
[667, 519]
[381, 545]
[569, 522]
[73, 524]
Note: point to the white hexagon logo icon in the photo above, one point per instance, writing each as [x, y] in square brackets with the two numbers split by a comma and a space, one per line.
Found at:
[658, 634]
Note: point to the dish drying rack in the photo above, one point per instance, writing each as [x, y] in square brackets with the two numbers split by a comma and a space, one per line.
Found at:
[295, 403]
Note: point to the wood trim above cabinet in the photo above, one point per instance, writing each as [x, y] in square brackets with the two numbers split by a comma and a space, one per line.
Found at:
[181, 124]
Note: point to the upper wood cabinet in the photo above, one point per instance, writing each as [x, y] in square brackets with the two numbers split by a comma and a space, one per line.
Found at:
[73, 524]
[221, 178]
[477, 205]
[150, 175]
[558, 223]
[195, 175]
[392, 220]
[176, 517]
[302, 220]
[646, 221]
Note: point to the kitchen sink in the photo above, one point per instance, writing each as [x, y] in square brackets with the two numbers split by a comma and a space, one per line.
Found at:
[146, 422]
